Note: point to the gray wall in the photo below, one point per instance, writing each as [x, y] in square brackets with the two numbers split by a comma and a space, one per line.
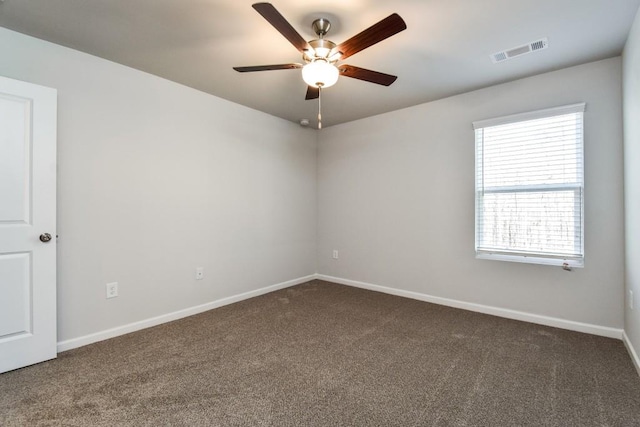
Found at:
[631, 71]
[156, 179]
[396, 198]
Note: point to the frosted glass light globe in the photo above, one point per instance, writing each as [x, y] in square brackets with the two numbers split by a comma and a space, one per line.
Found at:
[320, 73]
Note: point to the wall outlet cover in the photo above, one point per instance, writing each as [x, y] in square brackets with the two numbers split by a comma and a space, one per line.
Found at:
[112, 290]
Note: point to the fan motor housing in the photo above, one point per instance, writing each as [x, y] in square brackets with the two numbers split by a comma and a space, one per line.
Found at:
[321, 49]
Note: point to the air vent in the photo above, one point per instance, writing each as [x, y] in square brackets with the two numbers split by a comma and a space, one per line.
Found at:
[520, 50]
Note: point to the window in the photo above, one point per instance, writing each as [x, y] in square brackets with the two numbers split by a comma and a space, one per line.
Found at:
[529, 187]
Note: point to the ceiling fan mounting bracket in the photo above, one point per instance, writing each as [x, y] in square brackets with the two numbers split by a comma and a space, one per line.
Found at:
[321, 27]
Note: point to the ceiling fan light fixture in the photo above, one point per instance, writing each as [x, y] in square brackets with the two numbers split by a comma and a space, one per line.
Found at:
[334, 56]
[321, 48]
[320, 73]
[322, 52]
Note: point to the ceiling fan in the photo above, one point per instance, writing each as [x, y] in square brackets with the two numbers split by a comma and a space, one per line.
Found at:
[321, 56]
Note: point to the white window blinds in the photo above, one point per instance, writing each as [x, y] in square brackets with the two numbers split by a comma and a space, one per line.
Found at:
[529, 186]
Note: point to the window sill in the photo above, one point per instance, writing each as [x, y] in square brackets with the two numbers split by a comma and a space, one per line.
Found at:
[531, 259]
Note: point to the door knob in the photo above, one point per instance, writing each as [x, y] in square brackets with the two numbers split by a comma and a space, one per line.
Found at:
[45, 237]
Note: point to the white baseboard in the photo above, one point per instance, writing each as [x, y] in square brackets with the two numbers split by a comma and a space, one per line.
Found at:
[632, 351]
[495, 311]
[603, 331]
[154, 321]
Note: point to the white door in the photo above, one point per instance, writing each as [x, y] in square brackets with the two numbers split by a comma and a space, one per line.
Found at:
[27, 214]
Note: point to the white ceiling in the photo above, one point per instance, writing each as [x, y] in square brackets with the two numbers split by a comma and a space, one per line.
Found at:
[444, 51]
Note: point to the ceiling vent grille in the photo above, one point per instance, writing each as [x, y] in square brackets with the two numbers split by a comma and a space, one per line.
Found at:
[520, 50]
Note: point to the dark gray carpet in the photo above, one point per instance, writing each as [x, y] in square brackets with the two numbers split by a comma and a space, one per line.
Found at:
[321, 354]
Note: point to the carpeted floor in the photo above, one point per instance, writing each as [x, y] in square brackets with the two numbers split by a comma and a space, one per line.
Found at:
[321, 354]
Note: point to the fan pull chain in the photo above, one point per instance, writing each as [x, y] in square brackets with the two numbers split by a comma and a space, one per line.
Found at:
[319, 107]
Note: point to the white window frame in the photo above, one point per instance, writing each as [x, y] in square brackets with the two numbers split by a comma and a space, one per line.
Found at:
[532, 257]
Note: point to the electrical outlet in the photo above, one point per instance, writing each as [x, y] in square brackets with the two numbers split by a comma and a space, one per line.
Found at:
[630, 299]
[199, 273]
[335, 254]
[112, 290]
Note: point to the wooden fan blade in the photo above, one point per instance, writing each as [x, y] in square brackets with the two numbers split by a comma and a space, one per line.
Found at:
[389, 26]
[367, 75]
[312, 93]
[267, 67]
[278, 21]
